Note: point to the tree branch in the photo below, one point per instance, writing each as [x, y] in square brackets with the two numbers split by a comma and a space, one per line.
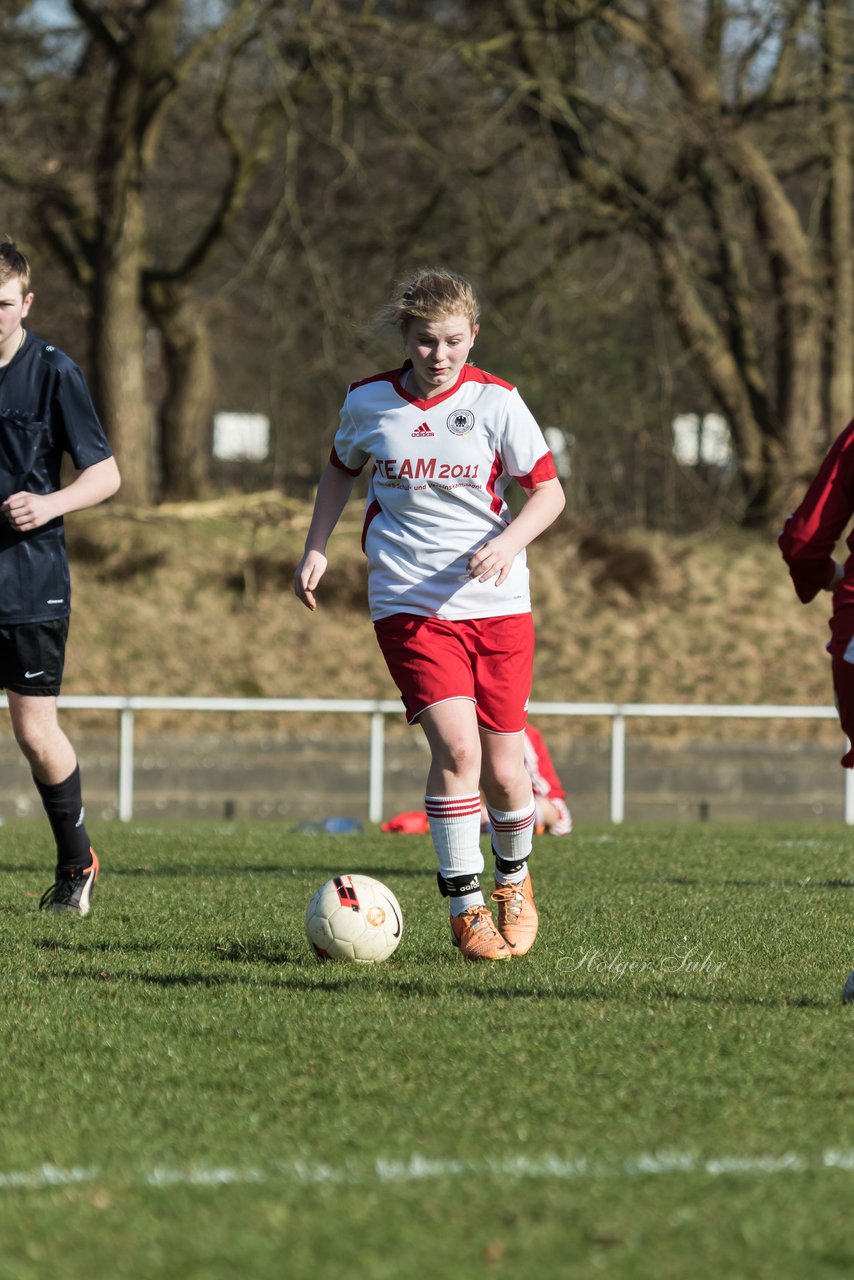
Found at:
[101, 25]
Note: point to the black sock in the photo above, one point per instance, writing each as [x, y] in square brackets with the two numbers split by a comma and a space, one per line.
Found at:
[63, 805]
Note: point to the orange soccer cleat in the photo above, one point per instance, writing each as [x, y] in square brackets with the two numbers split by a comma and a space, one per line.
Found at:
[475, 934]
[517, 915]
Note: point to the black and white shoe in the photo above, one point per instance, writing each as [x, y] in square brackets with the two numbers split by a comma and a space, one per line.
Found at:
[72, 890]
[848, 989]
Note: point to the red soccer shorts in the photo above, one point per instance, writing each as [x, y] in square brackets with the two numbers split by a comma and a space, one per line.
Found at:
[490, 661]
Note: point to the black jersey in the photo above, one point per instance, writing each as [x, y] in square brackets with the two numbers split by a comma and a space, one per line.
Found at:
[45, 412]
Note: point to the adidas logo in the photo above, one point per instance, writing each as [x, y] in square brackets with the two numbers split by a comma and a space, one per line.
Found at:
[422, 432]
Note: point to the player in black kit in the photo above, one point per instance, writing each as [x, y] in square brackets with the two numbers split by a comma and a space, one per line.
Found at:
[45, 412]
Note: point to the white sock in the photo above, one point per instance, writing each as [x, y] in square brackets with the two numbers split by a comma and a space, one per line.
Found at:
[455, 828]
[512, 839]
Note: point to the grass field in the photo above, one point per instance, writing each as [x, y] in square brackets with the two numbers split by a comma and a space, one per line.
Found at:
[661, 1089]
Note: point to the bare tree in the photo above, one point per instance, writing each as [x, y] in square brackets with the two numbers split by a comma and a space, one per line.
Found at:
[838, 210]
[91, 133]
[538, 145]
[701, 131]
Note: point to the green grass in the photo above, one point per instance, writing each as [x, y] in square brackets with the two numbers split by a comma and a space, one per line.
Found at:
[661, 1089]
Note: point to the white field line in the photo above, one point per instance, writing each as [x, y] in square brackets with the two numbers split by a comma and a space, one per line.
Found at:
[421, 1169]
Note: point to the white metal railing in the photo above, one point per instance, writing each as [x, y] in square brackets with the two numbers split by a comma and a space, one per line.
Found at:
[378, 709]
[620, 712]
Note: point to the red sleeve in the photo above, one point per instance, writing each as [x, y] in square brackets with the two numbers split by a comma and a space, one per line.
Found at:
[810, 535]
[542, 470]
[544, 765]
[336, 462]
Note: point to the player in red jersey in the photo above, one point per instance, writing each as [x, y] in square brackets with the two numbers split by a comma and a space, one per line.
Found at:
[448, 586]
[553, 814]
[808, 542]
[549, 792]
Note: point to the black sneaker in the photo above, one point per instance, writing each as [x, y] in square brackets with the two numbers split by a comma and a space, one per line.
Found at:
[72, 890]
[848, 989]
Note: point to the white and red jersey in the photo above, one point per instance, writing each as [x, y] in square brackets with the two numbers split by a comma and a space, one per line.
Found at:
[545, 782]
[440, 469]
[810, 535]
[540, 767]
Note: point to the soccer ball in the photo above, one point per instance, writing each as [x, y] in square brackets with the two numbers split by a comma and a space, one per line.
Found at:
[353, 918]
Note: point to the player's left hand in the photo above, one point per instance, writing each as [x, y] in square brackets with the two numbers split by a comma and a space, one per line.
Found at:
[26, 511]
[493, 560]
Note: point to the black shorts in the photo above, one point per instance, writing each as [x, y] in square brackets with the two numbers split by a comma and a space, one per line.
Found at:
[32, 656]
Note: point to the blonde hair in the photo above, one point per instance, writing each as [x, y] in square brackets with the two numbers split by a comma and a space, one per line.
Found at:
[14, 265]
[430, 294]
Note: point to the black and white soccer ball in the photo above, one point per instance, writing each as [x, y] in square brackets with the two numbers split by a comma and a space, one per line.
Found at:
[354, 918]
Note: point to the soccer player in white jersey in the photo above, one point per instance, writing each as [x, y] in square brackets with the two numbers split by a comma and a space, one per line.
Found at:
[448, 587]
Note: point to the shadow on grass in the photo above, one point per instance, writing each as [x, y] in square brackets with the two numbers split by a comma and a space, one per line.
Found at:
[236, 952]
[206, 871]
[203, 871]
[730, 883]
[326, 870]
[407, 989]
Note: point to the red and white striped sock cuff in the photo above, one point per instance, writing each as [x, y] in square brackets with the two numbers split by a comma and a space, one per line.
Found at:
[455, 831]
[512, 838]
[452, 808]
[512, 822]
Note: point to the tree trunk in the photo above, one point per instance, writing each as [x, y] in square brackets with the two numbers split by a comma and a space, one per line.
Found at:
[118, 352]
[838, 220]
[187, 408]
[118, 319]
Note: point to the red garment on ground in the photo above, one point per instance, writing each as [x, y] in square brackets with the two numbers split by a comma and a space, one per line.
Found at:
[413, 822]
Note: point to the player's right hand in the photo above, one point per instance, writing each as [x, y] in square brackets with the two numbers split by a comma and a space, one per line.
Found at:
[27, 511]
[309, 572]
[838, 575]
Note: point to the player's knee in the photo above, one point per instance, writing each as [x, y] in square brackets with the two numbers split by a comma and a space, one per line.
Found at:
[503, 785]
[33, 747]
[461, 758]
[36, 740]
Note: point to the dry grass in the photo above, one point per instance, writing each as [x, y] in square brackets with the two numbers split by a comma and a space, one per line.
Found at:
[196, 600]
